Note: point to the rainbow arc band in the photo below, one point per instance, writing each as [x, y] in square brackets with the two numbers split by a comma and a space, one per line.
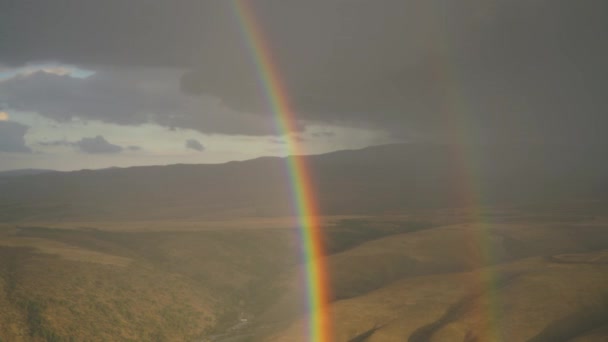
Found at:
[317, 289]
[455, 113]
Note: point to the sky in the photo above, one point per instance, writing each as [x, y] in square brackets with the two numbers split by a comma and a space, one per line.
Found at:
[94, 84]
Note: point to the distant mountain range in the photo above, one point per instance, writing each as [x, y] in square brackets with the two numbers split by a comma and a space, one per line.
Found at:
[23, 172]
[378, 179]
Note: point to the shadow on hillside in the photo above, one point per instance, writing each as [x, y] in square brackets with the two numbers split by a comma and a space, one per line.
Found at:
[366, 334]
[456, 311]
[576, 324]
[349, 233]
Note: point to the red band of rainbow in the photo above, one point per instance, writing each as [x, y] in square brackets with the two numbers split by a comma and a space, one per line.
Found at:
[319, 327]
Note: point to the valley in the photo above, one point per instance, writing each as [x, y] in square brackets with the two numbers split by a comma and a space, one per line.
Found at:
[213, 252]
[393, 277]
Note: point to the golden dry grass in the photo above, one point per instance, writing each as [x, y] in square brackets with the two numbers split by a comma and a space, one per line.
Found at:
[182, 280]
[64, 251]
[240, 223]
[430, 285]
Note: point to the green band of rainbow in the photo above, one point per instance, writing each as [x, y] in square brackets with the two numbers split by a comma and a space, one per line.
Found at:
[463, 134]
[303, 190]
[455, 111]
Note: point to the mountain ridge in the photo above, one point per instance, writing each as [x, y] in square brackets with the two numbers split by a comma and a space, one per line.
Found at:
[371, 180]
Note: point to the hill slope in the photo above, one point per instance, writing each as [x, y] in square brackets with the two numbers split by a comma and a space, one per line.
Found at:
[542, 282]
[184, 252]
[373, 180]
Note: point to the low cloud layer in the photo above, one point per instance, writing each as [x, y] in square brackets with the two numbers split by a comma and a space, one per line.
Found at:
[494, 70]
[12, 137]
[127, 97]
[193, 144]
[92, 145]
[97, 145]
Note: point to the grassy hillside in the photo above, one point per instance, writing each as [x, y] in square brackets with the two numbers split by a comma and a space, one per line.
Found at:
[152, 280]
[210, 252]
[542, 282]
[89, 284]
[393, 278]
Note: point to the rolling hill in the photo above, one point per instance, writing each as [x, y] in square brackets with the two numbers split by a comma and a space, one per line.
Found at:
[375, 180]
[211, 253]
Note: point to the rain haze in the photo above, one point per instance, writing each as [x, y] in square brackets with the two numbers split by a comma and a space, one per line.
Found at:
[379, 147]
[372, 72]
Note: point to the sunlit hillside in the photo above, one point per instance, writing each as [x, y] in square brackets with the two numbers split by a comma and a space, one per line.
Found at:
[212, 252]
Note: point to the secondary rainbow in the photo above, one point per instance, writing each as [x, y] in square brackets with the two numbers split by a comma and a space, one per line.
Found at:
[456, 110]
[485, 281]
[319, 325]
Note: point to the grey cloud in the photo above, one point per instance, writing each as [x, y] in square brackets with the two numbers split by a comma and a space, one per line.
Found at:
[194, 144]
[12, 137]
[97, 145]
[110, 32]
[498, 69]
[327, 134]
[56, 143]
[91, 145]
[134, 148]
[108, 97]
[130, 96]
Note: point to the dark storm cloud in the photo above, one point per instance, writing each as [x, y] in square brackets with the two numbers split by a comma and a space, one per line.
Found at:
[11, 137]
[126, 96]
[494, 69]
[109, 98]
[193, 144]
[110, 32]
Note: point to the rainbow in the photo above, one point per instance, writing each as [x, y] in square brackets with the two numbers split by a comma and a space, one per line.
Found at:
[485, 282]
[317, 289]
